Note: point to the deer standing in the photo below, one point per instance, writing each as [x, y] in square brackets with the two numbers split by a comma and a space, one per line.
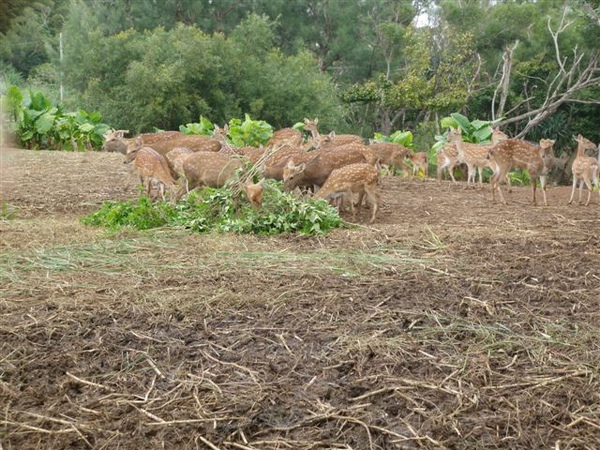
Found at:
[361, 179]
[474, 155]
[584, 168]
[329, 141]
[518, 154]
[152, 166]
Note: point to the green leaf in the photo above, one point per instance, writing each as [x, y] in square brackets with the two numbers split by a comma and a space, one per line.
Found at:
[463, 122]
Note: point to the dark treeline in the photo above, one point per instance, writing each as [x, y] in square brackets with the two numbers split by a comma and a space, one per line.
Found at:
[368, 66]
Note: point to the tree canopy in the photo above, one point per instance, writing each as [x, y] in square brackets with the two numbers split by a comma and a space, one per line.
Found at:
[368, 66]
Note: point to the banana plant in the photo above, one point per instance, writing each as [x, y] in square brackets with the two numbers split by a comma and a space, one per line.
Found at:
[404, 138]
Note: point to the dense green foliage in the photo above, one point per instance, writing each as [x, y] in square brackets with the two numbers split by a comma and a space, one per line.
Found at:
[40, 124]
[363, 67]
[223, 210]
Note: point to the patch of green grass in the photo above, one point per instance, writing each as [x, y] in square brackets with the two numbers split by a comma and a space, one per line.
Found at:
[223, 210]
[7, 212]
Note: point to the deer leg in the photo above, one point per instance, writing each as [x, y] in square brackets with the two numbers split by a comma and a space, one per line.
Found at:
[375, 199]
[573, 190]
[450, 170]
[588, 183]
[543, 187]
[480, 171]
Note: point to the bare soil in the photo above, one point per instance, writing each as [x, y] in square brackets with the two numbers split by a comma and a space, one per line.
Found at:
[450, 323]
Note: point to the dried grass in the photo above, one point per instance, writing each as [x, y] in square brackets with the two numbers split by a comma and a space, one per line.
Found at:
[449, 324]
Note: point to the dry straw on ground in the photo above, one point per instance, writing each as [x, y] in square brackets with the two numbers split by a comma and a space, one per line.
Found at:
[450, 323]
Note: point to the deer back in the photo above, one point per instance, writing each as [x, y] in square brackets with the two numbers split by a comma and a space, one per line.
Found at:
[209, 169]
[151, 164]
[176, 157]
[315, 171]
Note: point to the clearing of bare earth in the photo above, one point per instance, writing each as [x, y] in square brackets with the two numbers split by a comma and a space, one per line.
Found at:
[450, 322]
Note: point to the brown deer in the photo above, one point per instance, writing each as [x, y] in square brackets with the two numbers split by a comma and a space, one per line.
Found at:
[584, 168]
[273, 165]
[114, 140]
[331, 140]
[518, 154]
[195, 142]
[254, 192]
[447, 160]
[285, 136]
[420, 161]
[474, 155]
[176, 157]
[152, 166]
[391, 156]
[314, 172]
[358, 178]
[211, 169]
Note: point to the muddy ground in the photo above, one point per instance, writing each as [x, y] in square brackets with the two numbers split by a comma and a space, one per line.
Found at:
[449, 323]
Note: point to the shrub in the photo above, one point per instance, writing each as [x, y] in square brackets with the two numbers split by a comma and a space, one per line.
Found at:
[223, 210]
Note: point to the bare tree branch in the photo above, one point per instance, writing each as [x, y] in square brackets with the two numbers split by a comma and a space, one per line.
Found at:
[570, 79]
[504, 84]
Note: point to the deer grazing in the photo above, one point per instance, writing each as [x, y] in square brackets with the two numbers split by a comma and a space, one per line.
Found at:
[152, 166]
[391, 156]
[211, 169]
[358, 179]
[195, 142]
[114, 140]
[584, 168]
[176, 157]
[315, 171]
[518, 154]
[474, 155]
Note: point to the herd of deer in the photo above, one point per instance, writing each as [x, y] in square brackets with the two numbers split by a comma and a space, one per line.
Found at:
[334, 166]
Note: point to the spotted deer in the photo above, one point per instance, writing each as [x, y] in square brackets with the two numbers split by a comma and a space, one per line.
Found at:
[518, 154]
[254, 192]
[114, 140]
[420, 162]
[285, 136]
[315, 171]
[176, 157]
[152, 166]
[211, 169]
[195, 142]
[447, 160]
[584, 169]
[361, 179]
[474, 155]
[391, 155]
[330, 140]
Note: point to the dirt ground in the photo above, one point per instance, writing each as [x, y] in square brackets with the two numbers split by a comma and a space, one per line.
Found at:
[450, 323]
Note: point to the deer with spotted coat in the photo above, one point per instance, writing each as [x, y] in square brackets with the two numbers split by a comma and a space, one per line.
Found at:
[517, 154]
[360, 178]
[584, 168]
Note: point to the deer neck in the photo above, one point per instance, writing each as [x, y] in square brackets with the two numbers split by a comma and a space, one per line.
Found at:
[580, 149]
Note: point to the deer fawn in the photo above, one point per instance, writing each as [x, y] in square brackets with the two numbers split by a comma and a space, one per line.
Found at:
[584, 168]
[361, 178]
[474, 155]
[518, 154]
[254, 192]
[152, 166]
[420, 161]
